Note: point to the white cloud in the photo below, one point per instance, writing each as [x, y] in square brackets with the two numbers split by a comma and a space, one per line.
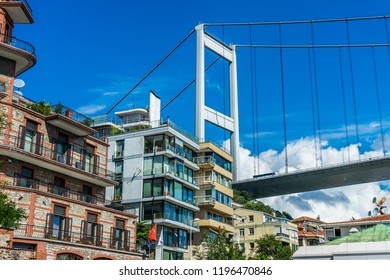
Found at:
[90, 109]
[336, 204]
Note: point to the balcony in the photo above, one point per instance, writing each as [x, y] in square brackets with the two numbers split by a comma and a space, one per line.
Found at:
[70, 120]
[207, 200]
[35, 184]
[215, 225]
[205, 160]
[118, 242]
[176, 220]
[67, 162]
[19, 10]
[17, 50]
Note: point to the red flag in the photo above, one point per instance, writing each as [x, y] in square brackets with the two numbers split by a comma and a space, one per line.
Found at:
[152, 234]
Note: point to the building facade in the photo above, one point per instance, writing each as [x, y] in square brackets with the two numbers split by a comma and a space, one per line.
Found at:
[310, 231]
[335, 230]
[215, 195]
[251, 225]
[54, 168]
[154, 165]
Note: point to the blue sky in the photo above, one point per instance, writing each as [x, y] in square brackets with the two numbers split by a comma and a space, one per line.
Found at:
[90, 53]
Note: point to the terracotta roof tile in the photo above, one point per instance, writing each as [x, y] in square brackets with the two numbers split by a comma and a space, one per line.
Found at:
[378, 218]
[305, 218]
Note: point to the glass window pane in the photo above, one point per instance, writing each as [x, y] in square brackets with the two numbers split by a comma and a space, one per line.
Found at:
[147, 188]
[178, 191]
[148, 163]
[158, 165]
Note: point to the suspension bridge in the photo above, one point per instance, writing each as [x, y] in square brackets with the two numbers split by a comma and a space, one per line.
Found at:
[291, 62]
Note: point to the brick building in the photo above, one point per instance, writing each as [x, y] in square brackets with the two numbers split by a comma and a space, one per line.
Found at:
[54, 168]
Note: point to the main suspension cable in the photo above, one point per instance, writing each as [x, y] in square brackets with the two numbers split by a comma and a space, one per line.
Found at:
[151, 71]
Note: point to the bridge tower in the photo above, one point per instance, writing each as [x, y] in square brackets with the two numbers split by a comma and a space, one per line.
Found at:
[204, 113]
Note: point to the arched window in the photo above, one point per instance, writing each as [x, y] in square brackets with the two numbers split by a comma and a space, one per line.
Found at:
[68, 256]
[102, 258]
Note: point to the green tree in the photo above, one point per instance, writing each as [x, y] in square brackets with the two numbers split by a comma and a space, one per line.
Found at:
[41, 107]
[219, 247]
[270, 248]
[10, 214]
[143, 231]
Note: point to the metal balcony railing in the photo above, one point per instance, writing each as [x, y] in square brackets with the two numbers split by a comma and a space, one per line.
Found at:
[75, 237]
[68, 157]
[17, 43]
[72, 114]
[20, 181]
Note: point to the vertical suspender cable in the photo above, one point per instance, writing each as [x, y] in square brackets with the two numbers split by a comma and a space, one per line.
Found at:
[283, 99]
[312, 106]
[254, 117]
[353, 88]
[378, 99]
[316, 92]
[344, 104]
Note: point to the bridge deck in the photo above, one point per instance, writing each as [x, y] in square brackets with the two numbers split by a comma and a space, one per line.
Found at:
[363, 171]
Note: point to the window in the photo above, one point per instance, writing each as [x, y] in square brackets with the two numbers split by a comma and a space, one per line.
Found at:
[59, 187]
[329, 233]
[118, 170]
[337, 232]
[29, 138]
[251, 219]
[92, 232]
[252, 245]
[26, 177]
[119, 147]
[87, 194]
[118, 192]
[120, 238]
[89, 159]
[62, 147]
[58, 226]
[251, 231]
[241, 232]
[67, 256]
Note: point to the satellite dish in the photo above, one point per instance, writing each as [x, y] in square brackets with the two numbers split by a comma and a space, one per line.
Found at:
[369, 213]
[18, 92]
[374, 200]
[375, 211]
[383, 200]
[18, 83]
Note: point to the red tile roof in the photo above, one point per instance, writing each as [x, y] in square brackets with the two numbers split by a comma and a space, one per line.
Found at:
[305, 218]
[378, 219]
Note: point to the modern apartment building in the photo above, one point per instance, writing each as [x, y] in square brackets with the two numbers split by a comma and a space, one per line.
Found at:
[215, 196]
[154, 165]
[54, 168]
[251, 225]
[310, 231]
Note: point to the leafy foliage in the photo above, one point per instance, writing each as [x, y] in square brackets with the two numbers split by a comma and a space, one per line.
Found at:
[248, 202]
[142, 232]
[41, 107]
[10, 214]
[218, 247]
[270, 248]
[3, 120]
